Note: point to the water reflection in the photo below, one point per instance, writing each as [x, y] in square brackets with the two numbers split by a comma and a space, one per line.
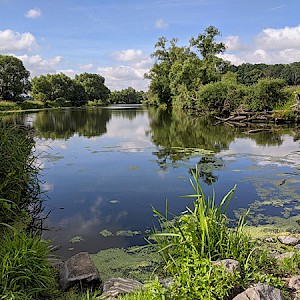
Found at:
[105, 168]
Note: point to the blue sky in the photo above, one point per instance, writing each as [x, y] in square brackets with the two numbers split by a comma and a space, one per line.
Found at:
[116, 37]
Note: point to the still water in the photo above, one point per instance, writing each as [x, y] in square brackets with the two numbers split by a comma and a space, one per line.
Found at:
[103, 170]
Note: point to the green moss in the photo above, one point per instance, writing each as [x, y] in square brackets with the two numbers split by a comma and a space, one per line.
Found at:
[121, 263]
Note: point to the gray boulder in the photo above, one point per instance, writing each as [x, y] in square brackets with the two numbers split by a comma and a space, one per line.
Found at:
[288, 240]
[79, 269]
[117, 286]
[260, 291]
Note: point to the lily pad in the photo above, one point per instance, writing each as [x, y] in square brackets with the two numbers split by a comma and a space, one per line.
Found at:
[106, 233]
[76, 239]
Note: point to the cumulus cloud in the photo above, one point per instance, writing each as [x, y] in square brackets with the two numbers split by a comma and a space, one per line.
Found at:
[270, 46]
[38, 65]
[86, 67]
[129, 55]
[33, 13]
[69, 72]
[233, 43]
[11, 41]
[161, 24]
[282, 38]
[120, 77]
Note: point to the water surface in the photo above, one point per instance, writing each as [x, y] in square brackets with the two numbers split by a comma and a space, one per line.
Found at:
[104, 169]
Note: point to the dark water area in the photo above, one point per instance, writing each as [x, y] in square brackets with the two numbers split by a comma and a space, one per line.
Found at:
[104, 168]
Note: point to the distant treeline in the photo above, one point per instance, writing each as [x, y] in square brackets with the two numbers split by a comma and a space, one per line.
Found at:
[250, 73]
[57, 89]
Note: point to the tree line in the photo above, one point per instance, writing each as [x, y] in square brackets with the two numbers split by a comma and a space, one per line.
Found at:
[58, 89]
[196, 77]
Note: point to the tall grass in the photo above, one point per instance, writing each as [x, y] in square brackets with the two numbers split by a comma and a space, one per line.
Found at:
[191, 242]
[19, 184]
[24, 270]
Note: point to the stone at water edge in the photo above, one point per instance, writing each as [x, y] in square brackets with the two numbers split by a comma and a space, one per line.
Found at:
[79, 269]
[260, 291]
[229, 264]
[288, 240]
[118, 286]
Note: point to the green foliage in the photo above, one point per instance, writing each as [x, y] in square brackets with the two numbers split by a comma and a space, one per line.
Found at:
[59, 88]
[8, 105]
[266, 94]
[13, 78]
[222, 96]
[126, 96]
[19, 184]
[94, 86]
[32, 104]
[24, 270]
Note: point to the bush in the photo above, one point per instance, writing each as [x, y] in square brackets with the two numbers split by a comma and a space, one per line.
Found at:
[221, 96]
[8, 105]
[24, 271]
[32, 104]
[266, 94]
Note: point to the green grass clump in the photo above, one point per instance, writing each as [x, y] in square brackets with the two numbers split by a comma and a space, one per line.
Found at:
[24, 271]
[189, 245]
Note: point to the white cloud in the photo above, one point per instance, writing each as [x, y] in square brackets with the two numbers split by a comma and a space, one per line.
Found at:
[33, 13]
[233, 43]
[161, 24]
[282, 38]
[69, 72]
[38, 65]
[11, 41]
[121, 77]
[271, 46]
[129, 55]
[86, 67]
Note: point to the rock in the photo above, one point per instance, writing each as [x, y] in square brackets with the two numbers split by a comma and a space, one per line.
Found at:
[260, 291]
[270, 240]
[294, 283]
[116, 286]
[167, 282]
[288, 240]
[297, 247]
[230, 265]
[79, 269]
[284, 255]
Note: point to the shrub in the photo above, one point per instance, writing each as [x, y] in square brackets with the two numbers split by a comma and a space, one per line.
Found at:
[8, 105]
[32, 104]
[221, 96]
[266, 94]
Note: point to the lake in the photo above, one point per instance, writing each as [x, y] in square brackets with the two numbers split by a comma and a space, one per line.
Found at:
[103, 169]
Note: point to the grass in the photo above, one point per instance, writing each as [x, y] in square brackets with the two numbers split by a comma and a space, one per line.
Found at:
[19, 184]
[24, 271]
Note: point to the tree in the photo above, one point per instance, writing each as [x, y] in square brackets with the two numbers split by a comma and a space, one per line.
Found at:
[13, 78]
[126, 96]
[60, 88]
[206, 45]
[94, 86]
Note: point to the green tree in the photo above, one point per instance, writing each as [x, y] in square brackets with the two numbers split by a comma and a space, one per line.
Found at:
[126, 96]
[59, 88]
[13, 78]
[94, 86]
[212, 66]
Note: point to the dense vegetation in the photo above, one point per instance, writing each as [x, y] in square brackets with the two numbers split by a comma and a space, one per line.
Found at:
[24, 269]
[195, 77]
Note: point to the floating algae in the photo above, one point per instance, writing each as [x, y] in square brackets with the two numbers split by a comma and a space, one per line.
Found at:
[76, 239]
